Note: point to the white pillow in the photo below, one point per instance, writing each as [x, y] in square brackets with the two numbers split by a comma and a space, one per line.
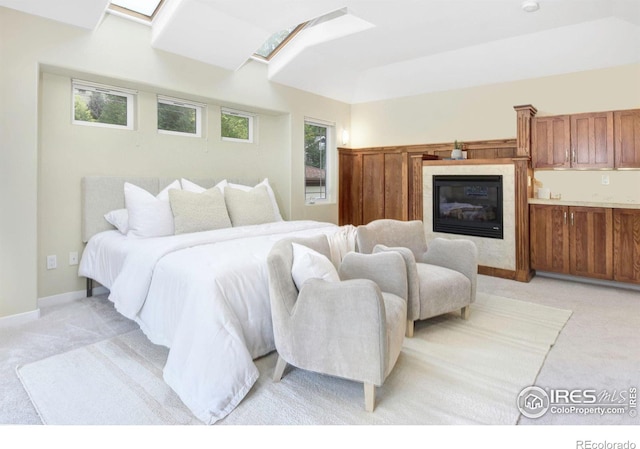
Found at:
[118, 218]
[195, 212]
[310, 264]
[149, 216]
[272, 196]
[195, 188]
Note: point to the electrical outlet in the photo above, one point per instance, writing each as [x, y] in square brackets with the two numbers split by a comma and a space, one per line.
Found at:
[52, 262]
[605, 180]
[73, 258]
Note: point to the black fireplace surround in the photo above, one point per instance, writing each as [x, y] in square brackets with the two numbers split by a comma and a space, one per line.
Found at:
[468, 205]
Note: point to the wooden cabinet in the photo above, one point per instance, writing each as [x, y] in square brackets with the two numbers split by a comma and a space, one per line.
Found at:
[591, 242]
[373, 185]
[592, 140]
[549, 238]
[573, 141]
[572, 240]
[626, 244]
[627, 138]
[551, 141]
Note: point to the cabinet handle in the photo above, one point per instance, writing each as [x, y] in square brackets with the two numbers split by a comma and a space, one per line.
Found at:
[566, 155]
[565, 217]
[573, 155]
[571, 218]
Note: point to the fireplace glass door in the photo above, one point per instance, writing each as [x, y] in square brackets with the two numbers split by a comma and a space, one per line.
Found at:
[468, 205]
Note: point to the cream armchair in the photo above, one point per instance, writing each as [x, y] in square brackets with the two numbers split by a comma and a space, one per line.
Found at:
[353, 328]
[441, 277]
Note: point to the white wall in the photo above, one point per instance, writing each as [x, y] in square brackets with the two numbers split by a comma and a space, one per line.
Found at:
[486, 112]
[42, 155]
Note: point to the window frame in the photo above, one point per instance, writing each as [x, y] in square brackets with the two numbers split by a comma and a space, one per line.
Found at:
[198, 107]
[330, 152]
[134, 14]
[251, 125]
[129, 94]
[281, 45]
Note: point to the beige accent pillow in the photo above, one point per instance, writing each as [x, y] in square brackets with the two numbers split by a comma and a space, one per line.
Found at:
[195, 212]
[249, 207]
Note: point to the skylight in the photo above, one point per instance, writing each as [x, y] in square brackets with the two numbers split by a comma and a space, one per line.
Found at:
[141, 9]
[277, 40]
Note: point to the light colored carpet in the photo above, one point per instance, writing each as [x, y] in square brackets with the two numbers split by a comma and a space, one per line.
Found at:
[451, 372]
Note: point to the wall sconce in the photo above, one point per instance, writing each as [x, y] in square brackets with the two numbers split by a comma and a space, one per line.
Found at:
[345, 137]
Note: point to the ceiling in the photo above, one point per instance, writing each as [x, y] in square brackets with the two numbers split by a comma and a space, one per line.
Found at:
[370, 50]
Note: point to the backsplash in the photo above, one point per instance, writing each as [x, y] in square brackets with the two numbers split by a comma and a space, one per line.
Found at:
[587, 185]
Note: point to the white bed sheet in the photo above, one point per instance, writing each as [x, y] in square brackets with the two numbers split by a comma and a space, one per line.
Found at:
[203, 295]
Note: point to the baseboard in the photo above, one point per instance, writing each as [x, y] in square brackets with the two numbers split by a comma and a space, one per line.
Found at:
[497, 272]
[64, 298]
[19, 318]
[584, 280]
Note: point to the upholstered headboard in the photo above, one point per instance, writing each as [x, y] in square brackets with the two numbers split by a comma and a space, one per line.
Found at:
[101, 194]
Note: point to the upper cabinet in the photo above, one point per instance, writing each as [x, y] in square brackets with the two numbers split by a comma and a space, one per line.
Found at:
[551, 141]
[573, 141]
[592, 140]
[627, 138]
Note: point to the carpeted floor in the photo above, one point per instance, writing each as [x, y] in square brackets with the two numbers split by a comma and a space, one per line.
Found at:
[596, 348]
[451, 372]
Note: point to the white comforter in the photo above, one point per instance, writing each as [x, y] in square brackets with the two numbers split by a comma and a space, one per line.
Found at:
[205, 296]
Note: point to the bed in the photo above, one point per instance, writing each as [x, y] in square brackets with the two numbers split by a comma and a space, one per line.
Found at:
[204, 295]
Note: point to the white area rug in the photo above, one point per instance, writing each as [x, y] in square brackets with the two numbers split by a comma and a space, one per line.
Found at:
[451, 372]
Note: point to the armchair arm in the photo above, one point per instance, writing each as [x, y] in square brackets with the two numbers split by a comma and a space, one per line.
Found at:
[339, 328]
[413, 281]
[460, 255]
[387, 270]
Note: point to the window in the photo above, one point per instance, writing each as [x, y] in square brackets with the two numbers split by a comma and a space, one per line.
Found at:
[318, 141]
[179, 117]
[276, 41]
[99, 105]
[237, 126]
[139, 9]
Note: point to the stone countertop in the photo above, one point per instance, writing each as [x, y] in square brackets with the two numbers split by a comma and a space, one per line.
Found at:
[585, 203]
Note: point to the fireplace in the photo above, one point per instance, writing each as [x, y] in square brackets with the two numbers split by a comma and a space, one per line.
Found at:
[468, 205]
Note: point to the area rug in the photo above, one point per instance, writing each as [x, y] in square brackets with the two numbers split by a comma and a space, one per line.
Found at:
[451, 372]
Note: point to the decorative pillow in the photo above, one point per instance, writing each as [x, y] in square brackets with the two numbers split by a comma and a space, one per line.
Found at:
[195, 212]
[310, 264]
[193, 187]
[118, 218]
[149, 216]
[272, 196]
[249, 207]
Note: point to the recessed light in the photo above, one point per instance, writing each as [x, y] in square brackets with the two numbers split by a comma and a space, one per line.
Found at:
[530, 5]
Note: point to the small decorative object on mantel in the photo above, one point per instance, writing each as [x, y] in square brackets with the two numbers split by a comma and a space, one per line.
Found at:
[456, 153]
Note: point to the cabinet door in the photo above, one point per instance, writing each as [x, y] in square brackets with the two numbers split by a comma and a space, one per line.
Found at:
[626, 245]
[592, 140]
[591, 242]
[395, 186]
[350, 208]
[551, 141]
[627, 138]
[372, 187]
[549, 239]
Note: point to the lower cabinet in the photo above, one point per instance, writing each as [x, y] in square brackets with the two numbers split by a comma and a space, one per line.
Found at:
[626, 244]
[572, 240]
